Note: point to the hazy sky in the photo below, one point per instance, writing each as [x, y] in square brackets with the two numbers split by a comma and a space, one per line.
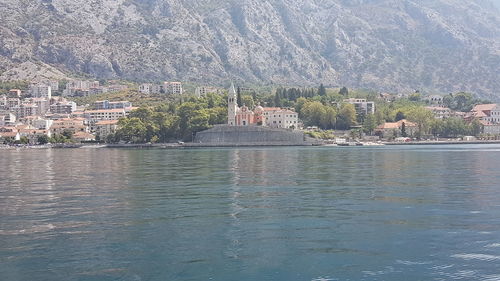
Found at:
[497, 2]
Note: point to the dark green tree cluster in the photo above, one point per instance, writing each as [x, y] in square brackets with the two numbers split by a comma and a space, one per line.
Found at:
[462, 101]
[455, 127]
[5, 87]
[12, 141]
[65, 137]
[284, 95]
[169, 122]
[327, 117]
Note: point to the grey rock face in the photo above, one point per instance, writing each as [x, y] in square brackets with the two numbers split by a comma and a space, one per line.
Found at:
[444, 45]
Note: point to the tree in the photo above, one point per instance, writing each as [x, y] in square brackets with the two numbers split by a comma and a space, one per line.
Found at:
[277, 99]
[248, 101]
[43, 139]
[475, 128]
[370, 124]
[321, 90]
[403, 130]
[132, 130]
[422, 117]
[344, 92]
[299, 104]
[238, 97]
[312, 113]
[346, 117]
[24, 140]
[329, 118]
[67, 134]
[399, 116]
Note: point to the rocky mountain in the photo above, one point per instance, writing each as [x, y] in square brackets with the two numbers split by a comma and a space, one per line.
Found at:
[442, 45]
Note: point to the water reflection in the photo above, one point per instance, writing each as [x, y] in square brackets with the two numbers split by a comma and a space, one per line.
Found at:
[249, 214]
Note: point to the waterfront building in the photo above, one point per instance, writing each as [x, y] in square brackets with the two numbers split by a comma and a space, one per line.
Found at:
[73, 125]
[395, 129]
[83, 137]
[9, 132]
[486, 112]
[34, 134]
[106, 127]
[273, 117]
[276, 117]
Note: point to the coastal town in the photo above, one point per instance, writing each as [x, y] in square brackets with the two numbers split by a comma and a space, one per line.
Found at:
[47, 112]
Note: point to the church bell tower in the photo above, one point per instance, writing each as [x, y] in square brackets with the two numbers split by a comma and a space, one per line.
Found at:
[232, 106]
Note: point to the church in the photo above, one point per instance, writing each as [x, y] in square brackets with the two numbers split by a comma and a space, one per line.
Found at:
[273, 117]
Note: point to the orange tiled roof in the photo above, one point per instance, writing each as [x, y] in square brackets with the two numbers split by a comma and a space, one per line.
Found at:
[396, 125]
[484, 107]
[8, 134]
[107, 122]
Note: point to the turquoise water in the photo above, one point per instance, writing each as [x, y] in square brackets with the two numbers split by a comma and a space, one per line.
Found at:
[384, 213]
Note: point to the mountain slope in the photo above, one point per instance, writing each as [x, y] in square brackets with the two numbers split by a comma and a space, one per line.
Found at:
[445, 45]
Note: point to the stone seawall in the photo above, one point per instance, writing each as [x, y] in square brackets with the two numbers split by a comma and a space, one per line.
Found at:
[226, 135]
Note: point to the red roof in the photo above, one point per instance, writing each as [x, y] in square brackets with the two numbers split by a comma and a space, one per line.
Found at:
[396, 125]
[107, 122]
[484, 107]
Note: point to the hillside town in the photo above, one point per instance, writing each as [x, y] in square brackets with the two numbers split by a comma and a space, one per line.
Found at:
[37, 116]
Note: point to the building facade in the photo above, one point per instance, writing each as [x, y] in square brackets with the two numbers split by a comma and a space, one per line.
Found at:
[362, 106]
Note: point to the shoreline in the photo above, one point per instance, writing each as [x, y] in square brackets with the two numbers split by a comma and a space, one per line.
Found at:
[246, 145]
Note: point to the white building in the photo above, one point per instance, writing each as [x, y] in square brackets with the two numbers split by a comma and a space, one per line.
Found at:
[145, 88]
[3, 102]
[34, 134]
[82, 88]
[276, 117]
[362, 106]
[37, 122]
[173, 88]
[7, 119]
[24, 110]
[204, 90]
[41, 91]
[104, 114]
[105, 104]
[106, 127]
[63, 107]
[487, 112]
